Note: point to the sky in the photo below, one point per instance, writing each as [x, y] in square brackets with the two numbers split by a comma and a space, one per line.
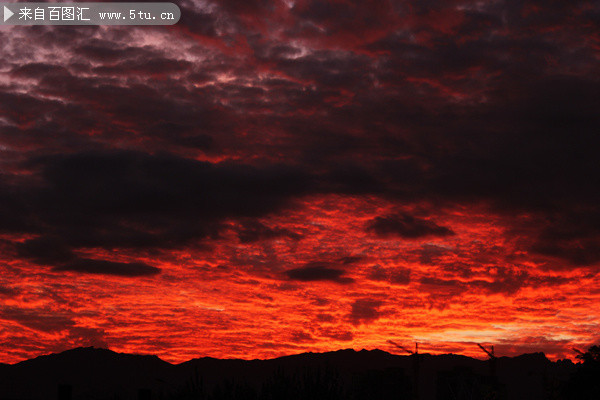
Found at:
[268, 178]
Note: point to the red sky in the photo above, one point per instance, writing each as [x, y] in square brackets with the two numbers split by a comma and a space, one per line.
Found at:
[273, 177]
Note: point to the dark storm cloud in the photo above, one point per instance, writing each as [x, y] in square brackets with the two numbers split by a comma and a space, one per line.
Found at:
[317, 271]
[504, 281]
[199, 22]
[254, 231]
[430, 253]
[12, 210]
[35, 70]
[84, 337]
[151, 66]
[582, 251]
[8, 292]
[337, 333]
[22, 107]
[364, 311]
[50, 321]
[406, 226]
[93, 108]
[302, 337]
[39, 320]
[107, 51]
[194, 141]
[331, 69]
[108, 268]
[533, 154]
[508, 282]
[496, 106]
[52, 251]
[571, 236]
[245, 6]
[399, 276]
[343, 17]
[45, 250]
[130, 184]
[134, 200]
[172, 195]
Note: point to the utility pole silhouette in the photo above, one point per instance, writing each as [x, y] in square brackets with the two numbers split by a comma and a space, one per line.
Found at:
[492, 360]
[416, 358]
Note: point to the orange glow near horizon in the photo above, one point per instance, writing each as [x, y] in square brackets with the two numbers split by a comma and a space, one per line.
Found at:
[234, 301]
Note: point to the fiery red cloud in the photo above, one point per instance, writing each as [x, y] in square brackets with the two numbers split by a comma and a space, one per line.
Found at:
[267, 178]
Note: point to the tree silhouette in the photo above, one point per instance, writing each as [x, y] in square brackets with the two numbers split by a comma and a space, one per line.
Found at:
[584, 384]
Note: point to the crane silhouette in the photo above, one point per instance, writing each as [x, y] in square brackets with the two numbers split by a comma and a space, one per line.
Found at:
[579, 352]
[416, 357]
[492, 360]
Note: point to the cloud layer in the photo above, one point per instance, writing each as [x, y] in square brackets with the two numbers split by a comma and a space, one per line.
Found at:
[341, 170]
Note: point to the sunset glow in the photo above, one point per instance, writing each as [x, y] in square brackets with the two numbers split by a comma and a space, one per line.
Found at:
[270, 178]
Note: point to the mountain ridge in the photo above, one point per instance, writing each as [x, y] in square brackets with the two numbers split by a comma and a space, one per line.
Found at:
[102, 373]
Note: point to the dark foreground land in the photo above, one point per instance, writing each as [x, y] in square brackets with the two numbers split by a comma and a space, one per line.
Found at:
[91, 373]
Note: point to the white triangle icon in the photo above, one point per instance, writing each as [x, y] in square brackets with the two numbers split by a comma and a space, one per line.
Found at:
[7, 13]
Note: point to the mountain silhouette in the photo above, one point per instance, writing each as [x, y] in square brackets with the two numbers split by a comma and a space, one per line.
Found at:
[94, 373]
